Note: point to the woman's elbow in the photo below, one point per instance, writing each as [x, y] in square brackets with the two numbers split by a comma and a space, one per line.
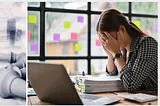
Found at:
[131, 88]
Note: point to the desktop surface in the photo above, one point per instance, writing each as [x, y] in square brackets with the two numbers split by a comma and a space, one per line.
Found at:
[33, 100]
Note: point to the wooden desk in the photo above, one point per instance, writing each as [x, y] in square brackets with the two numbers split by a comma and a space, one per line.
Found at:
[33, 100]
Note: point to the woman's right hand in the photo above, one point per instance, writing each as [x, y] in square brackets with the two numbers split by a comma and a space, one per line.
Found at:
[108, 53]
[110, 66]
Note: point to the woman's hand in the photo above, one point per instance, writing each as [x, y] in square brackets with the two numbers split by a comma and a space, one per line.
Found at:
[103, 44]
[110, 44]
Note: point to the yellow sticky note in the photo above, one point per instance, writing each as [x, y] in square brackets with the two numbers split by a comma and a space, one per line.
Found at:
[78, 47]
[137, 23]
[67, 24]
[32, 19]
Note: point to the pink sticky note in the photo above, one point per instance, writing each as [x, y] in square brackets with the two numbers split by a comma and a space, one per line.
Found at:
[74, 36]
[98, 43]
[29, 35]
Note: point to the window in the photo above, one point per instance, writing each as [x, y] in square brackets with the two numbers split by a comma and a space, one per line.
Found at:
[73, 67]
[33, 4]
[65, 32]
[101, 6]
[67, 5]
[145, 7]
[33, 32]
[66, 29]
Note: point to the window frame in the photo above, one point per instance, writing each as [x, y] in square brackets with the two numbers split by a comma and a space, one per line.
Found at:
[43, 9]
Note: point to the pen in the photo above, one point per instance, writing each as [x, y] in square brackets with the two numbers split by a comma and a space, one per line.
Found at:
[83, 73]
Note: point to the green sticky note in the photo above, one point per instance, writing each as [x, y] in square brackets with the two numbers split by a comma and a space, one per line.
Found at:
[78, 47]
[32, 19]
[67, 24]
[137, 23]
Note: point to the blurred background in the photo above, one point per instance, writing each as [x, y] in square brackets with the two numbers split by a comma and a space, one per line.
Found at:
[65, 32]
[12, 28]
[12, 39]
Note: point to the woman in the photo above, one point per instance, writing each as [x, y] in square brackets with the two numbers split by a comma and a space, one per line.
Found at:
[131, 53]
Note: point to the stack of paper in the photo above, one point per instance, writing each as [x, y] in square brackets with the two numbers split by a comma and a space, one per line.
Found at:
[99, 84]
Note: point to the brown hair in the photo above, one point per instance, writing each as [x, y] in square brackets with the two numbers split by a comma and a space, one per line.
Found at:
[111, 19]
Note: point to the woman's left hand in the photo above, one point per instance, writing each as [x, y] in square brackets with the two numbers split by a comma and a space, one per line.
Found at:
[111, 44]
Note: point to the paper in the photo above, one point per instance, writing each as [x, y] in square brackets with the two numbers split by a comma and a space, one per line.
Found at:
[34, 47]
[98, 43]
[56, 37]
[102, 78]
[78, 47]
[80, 19]
[32, 19]
[74, 36]
[67, 24]
[155, 26]
[29, 35]
[31, 91]
[137, 23]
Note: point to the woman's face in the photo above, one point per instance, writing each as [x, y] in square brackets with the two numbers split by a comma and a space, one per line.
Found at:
[120, 37]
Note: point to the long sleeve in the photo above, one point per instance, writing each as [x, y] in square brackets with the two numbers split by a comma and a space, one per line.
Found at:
[142, 65]
[114, 72]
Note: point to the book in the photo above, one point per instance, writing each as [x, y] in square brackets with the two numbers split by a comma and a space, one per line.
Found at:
[96, 84]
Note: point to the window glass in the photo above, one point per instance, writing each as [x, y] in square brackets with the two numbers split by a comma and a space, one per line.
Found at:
[73, 67]
[101, 6]
[67, 5]
[33, 32]
[66, 34]
[33, 4]
[147, 25]
[98, 66]
[145, 7]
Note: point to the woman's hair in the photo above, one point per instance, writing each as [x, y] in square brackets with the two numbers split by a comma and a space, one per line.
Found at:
[111, 19]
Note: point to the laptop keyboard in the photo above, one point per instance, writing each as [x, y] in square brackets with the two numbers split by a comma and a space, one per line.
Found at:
[89, 96]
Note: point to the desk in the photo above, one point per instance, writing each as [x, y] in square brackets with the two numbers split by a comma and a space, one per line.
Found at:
[33, 100]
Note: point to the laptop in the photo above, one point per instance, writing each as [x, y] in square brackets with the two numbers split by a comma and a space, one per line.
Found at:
[52, 84]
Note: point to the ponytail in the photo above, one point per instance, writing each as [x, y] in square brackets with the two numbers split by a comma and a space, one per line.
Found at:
[111, 19]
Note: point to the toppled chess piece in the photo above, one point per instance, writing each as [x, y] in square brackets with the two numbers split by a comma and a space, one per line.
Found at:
[13, 76]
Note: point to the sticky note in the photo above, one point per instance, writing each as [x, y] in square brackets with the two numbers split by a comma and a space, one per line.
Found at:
[32, 19]
[98, 43]
[34, 47]
[67, 24]
[78, 47]
[80, 19]
[29, 35]
[137, 23]
[56, 37]
[74, 36]
[155, 26]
